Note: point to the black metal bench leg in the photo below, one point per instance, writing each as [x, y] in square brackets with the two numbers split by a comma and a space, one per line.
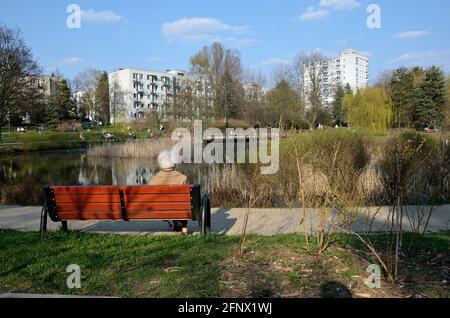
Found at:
[205, 223]
[43, 227]
[65, 226]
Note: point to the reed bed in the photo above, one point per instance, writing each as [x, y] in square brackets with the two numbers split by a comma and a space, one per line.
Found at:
[145, 149]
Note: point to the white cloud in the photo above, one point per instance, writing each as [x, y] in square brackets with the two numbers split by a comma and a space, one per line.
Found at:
[276, 61]
[325, 6]
[411, 34]
[198, 29]
[100, 16]
[313, 14]
[71, 61]
[340, 4]
[435, 57]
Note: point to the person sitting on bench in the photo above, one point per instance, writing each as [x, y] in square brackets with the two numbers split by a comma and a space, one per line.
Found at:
[169, 176]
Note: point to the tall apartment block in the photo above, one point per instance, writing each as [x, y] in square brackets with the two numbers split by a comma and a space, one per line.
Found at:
[145, 91]
[349, 68]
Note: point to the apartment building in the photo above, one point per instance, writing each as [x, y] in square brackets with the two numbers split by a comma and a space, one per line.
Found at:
[48, 85]
[146, 91]
[350, 68]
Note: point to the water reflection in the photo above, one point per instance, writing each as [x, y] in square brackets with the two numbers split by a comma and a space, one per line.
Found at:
[75, 168]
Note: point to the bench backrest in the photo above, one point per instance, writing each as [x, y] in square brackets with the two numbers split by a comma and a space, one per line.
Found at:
[123, 202]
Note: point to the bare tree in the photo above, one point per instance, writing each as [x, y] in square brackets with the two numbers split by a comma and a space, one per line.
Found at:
[254, 83]
[283, 72]
[86, 83]
[223, 69]
[117, 99]
[19, 89]
[310, 70]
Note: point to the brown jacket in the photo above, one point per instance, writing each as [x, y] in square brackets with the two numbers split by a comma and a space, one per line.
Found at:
[168, 177]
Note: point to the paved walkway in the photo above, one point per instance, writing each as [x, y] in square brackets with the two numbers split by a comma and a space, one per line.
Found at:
[224, 221]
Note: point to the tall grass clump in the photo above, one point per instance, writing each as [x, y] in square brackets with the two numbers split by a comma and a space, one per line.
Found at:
[338, 158]
[147, 149]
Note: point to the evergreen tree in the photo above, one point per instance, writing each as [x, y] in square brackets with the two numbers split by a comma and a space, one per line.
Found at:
[348, 89]
[102, 98]
[338, 113]
[402, 95]
[52, 113]
[447, 115]
[65, 101]
[430, 99]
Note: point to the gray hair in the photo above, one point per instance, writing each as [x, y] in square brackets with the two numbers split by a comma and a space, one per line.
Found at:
[166, 160]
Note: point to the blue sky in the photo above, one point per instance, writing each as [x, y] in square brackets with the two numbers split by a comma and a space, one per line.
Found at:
[160, 34]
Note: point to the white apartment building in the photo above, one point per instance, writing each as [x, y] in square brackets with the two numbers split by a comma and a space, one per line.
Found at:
[145, 91]
[349, 68]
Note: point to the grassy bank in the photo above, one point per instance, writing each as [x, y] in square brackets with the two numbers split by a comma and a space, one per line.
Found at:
[57, 140]
[149, 266]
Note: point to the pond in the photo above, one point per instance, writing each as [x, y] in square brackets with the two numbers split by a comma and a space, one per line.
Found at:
[22, 177]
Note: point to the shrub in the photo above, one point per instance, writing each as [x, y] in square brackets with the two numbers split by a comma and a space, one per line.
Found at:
[69, 126]
[339, 155]
[401, 160]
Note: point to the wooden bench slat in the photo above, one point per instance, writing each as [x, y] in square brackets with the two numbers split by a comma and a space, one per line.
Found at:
[88, 198]
[99, 207]
[92, 190]
[133, 198]
[142, 198]
[144, 215]
[128, 190]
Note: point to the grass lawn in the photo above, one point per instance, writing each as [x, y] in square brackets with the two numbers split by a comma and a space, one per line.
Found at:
[173, 266]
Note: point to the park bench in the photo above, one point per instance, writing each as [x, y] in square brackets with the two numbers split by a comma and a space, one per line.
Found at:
[126, 203]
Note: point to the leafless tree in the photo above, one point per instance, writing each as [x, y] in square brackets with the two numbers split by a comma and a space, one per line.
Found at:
[86, 83]
[283, 72]
[117, 99]
[223, 69]
[254, 84]
[310, 69]
[19, 89]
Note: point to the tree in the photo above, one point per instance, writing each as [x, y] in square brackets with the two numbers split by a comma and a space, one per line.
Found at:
[348, 89]
[338, 112]
[402, 87]
[252, 112]
[284, 106]
[65, 102]
[312, 68]
[223, 69]
[52, 112]
[448, 103]
[86, 82]
[116, 99]
[369, 109]
[19, 90]
[102, 99]
[430, 99]
[184, 106]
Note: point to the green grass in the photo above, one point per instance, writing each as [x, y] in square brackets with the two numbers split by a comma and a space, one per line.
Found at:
[57, 140]
[173, 266]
